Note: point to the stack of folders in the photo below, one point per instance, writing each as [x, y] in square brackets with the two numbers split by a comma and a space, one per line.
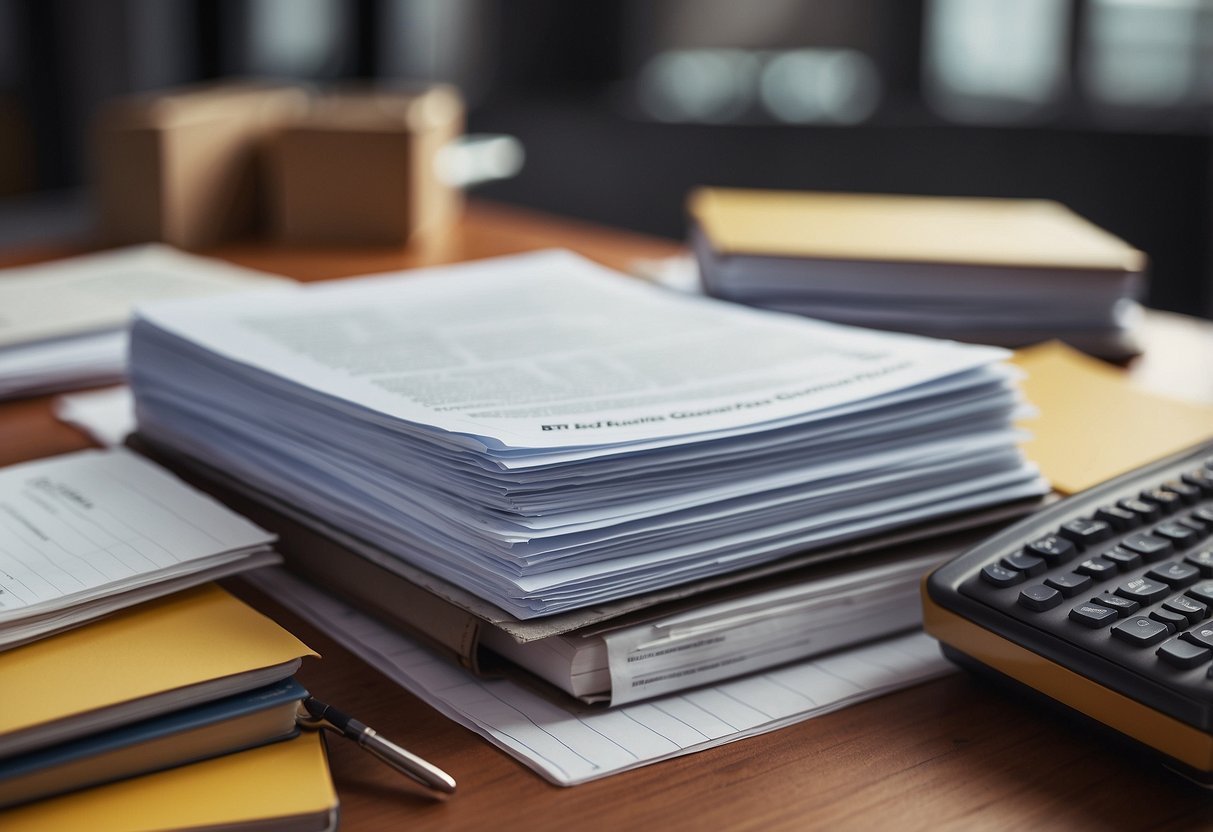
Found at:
[992, 271]
[537, 438]
[64, 323]
[196, 676]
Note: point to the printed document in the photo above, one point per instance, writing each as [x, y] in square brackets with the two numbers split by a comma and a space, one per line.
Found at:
[547, 434]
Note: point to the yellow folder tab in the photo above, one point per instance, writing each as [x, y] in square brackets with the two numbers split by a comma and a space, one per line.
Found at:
[918, 229]
[1094, 423]
[285, 780]
[186, 639]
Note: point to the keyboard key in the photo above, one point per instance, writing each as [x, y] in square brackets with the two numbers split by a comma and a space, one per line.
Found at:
[1149, 512]
[1181, 536]
[1174, 621]
[1199, 479]
[1092, 615]
[1025, 563]
[1070, 583]
[1168, 502]
[1118, 518]
[1039, 598]
[1140, 631]
[1202, 531]
[1123, 558]
[1184, 654]
[1052, 548]
[1202, 636]
[1084, 532]
[1142, 590]
[1147, 545]
[1187, 492]
[1175, 573]
[1192, 609]
[1202, 592]
[1204, 514]
[1123, 606]
[1098, 568]
[1000, 576]
[1202, 560]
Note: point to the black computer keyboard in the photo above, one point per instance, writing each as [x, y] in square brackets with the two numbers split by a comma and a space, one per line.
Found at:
[1102, 601]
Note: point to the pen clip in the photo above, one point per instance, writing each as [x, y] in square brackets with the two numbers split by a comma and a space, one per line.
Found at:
[316, 715]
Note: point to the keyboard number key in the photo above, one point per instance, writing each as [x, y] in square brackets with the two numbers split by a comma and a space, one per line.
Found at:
[1202, 636]
[1140, 631]
[1069, 584]
[1085, 532]
[1149, 546]
[1092, 615]
[1190, 608]
[1202, 560]
[1023, 562]
[1184, 654]
[1174, 573]
[1098, 568]
[1053, 548]
[1000, 576]
[1202, 592]
[1142, 590]
[1122, 606]
[1039, 598]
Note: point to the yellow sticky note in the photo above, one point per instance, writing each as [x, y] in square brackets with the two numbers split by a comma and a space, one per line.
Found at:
[1094, 423]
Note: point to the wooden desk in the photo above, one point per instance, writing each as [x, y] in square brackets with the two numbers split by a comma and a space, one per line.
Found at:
[948, 754]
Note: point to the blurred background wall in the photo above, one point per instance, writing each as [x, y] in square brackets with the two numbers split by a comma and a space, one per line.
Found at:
[625, 106]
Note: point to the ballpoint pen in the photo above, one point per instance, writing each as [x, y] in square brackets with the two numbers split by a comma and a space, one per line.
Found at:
[316, 715]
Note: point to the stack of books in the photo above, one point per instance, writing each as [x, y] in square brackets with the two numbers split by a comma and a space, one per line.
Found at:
[990, 271]
[541, 443]
[192, 677]
[119, 660]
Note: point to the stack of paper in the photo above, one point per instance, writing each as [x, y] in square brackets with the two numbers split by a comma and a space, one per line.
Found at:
[84, 534]
[63, 324]
[548, 434]
[992, 271]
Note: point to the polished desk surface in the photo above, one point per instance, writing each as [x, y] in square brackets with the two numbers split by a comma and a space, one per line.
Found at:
[952, 753]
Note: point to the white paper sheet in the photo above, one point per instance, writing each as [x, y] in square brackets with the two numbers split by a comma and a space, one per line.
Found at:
[569, 744]
[95, 524]
[108, 416]
[63, 323]
[96, 292]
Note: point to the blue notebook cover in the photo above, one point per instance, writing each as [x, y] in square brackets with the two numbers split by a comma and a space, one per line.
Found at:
[141, 733]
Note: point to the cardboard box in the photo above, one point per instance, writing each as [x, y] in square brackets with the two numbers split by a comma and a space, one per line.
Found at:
[360, 169]
[188, 167]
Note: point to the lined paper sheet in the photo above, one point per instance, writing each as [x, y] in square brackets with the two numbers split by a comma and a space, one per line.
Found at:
[94, 523]
[570, 744]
